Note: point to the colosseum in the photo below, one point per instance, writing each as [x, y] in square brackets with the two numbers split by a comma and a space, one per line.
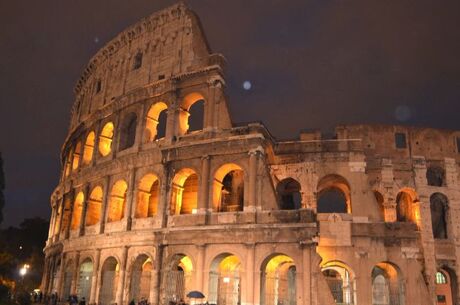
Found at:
[161, 194]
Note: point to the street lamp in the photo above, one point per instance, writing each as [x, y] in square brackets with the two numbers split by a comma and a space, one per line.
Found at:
[23, 270]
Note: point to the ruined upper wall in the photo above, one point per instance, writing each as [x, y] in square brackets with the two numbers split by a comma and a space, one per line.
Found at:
[170, 42]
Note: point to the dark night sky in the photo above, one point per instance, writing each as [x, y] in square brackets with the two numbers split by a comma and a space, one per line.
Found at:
[312, 64]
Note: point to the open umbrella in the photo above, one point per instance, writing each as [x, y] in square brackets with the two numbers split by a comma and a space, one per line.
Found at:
[194, 294]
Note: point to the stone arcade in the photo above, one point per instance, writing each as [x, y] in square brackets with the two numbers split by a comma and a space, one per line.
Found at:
[148, 207]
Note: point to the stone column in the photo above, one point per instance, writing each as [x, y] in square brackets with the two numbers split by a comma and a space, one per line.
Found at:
[171, 121]
[389, 210]
[156, 277]
[121, 276]
[58, 233]
[251, 202]
[250, 262]
[76, 271]
[163, 201]
[204, 187]
[69, 223]
[200, 267]
[105, 202]
[130, 199]
[97, 258]
[45, 277]
[306, 259]
[52, 221]
[83, 212]
[60, 283]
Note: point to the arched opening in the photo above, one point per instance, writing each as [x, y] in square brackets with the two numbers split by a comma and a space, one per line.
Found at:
[93, 211]
[333, 195]
[178, 278]
[68, 274]
[228, 188]
[224, 280]
[140, 279]
[109, 281]
[117, 201]
[184, 192]
[445, 287]
[105, 139]
[289, 197]
[147, 196]
[85, 277]
[191, 116]
[278, 281]
[435, 175]
[155, 125]
[404, 205]
[387, 285]
[379, 198]
[57, 223]
[137, 63]
[88, 150]
[77, 211]
[76, 156]
[341, 283]
[128, 131]
[438, 206]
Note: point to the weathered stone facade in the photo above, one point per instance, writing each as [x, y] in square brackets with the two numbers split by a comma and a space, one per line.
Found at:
[148, 208]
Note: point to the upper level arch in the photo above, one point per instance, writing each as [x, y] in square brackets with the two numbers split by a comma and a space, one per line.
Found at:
[185, 112]
[228, 188]
[333, 195]
[289, 196]
[184, 193]
[155, 124]
[405, 205]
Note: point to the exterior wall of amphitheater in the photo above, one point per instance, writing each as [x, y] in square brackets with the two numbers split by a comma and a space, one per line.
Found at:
[146, 207]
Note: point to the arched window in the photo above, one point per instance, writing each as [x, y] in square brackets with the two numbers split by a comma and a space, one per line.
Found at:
[184, 193]
[387, 285]
[177, 278]
[85, 277]
[435, 175]
[224, 280]
[128, 131]
[147, 196]
[340, 282]
[155, 125]
[404, 205]
[93, 212]
[67, 213]
[105, 139]
[77, 211]
[68, 163]
[89, 148]
[137, 61]
[76, 156]
[446, 286]
[117, 201]
[228, 188]
[289, 196]
[333, 195]
[109, 281]
[140, 278]
[438, 207]
[191, 116]
[278, 281]
[440, 278]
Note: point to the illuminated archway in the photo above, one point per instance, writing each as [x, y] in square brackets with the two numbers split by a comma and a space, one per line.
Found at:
[228, 188]
[185, 110]
[224, 280]
[155, 124]
[93, 211]
[109, 281]
[289, 196]
[405, 205]
[68, 163]
[148, 191]
[67, 205]
[278, 281]
[333, 195]
[117, 201]
[88, 149]
[141, 273]
[77, 211]
[177, 278]
[105, 139]
[68, 274]
[85, 277]
[446, 286]
[387, 285]
[340, 281]
[184, 192]
[76, 156]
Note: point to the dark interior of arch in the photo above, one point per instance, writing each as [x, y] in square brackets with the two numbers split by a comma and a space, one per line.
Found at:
[161, 127]
[232, 192]
[435, 176]
[331, 200]
[128, 131]
[289, 194]
[196, 118]
[403, 202]
[438, 206]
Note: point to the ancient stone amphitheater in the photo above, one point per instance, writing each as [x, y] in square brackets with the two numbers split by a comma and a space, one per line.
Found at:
[161, 194]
